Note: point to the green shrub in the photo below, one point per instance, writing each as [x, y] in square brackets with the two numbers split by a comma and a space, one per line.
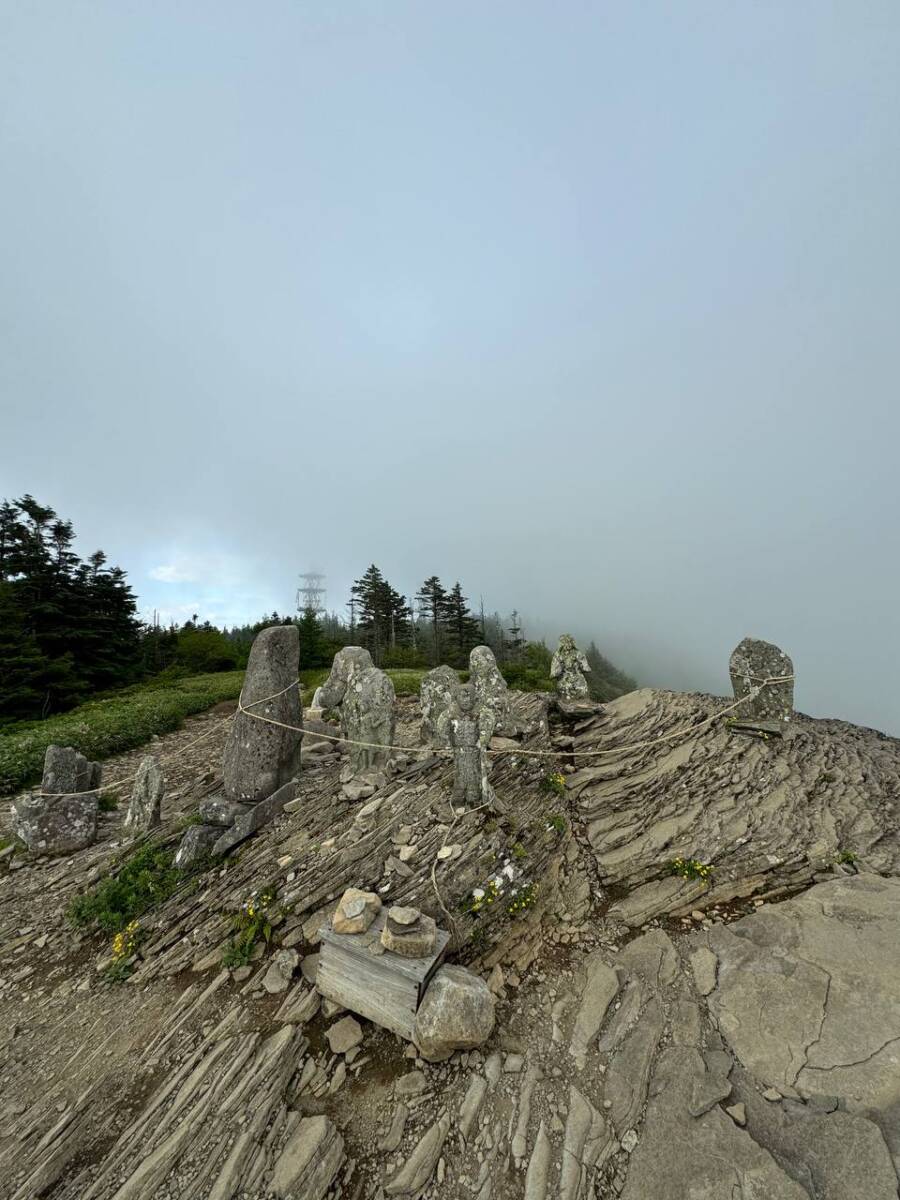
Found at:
[143, 880]
[107, 802]
[107, 726]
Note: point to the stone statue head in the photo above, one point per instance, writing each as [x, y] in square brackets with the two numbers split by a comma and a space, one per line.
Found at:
[465, 698]
[566, 642]
[482, 660]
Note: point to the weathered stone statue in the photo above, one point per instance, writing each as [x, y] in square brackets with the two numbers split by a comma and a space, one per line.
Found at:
[436, 697]
[566, 668]
[347, 662]
[62, 817]
[259, 758]
[470, 732]
[751, 662]
[491, 690]
[146, 797]
[368, 715]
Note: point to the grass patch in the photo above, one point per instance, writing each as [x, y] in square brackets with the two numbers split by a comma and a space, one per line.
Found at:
[143, 880]
[103, 727]
[107, 802]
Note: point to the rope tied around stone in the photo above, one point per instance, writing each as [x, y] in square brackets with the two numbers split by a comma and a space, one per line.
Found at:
[429, 750]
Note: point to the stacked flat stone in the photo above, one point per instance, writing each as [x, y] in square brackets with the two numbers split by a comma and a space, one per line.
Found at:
[409, 932]
[62, 817]
[751, 663]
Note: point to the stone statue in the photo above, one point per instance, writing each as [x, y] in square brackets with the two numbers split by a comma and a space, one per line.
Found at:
[368, 715]
[566, 668]
[260, 758]
[491, 690]
[470, 731]
[346, 662]
[751, 662]
[436, 698]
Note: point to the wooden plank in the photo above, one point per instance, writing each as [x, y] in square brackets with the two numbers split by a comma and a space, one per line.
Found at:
[356, 946]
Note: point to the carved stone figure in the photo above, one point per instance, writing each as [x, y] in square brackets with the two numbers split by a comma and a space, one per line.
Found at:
[752, 662]
[491, 690]
[146, 797]
[436, 697]
[368, 715]
[260, 758]
[566, 668]
[470, 731]
[348, 661]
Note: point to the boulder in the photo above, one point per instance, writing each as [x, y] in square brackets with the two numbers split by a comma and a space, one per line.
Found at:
[216, 810]
[456, 1013]
[260, 758]
[145, 805]
[58, 824]
[196, 845]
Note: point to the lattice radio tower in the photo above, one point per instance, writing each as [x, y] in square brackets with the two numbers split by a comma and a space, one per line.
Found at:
[311, 592]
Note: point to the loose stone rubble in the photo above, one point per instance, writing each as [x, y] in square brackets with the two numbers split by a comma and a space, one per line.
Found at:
[611, 1021]
[567, 667]
[145, 805]
[62, 817]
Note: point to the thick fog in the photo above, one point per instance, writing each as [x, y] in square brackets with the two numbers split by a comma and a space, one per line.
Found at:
[593, 307]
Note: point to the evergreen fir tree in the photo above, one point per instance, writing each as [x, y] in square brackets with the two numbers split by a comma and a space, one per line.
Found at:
[432, 599]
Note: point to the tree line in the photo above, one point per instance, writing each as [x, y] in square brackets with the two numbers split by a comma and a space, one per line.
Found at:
[69, 627]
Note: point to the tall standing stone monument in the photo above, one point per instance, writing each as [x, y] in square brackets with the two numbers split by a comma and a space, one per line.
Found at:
[436, 698]
[260, 757]
[767, 707]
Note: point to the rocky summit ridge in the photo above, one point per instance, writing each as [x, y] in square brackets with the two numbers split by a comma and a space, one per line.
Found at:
[691, 941]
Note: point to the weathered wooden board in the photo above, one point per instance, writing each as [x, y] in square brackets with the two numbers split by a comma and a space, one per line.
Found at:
[386, 988]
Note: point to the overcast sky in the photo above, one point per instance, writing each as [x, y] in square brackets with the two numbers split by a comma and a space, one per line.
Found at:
[592, 306]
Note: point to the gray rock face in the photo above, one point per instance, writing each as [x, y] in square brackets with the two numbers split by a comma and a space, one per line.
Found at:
[437, 695]
[752, 662]
[456, 1013]
[469, 733]
[146, 797]
[259, 758]
[310, 1160]
[766, 814]
[62, 817]
[491, 690]
[58, 825]
[567, 667]
[806, 996]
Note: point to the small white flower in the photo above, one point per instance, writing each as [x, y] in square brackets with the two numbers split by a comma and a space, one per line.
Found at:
[478, 893]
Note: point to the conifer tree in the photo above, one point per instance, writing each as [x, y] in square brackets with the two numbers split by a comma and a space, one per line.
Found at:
[432, 598]
[462, 628]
